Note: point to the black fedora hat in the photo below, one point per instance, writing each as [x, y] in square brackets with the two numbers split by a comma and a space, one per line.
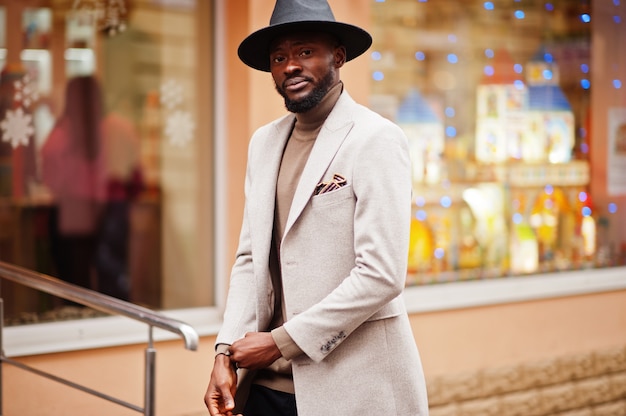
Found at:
[291, 16]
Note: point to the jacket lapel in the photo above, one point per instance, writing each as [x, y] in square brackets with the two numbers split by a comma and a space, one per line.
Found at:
[331, 136]
[263, 192]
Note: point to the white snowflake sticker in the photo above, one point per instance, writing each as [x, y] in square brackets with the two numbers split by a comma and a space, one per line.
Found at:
[171, 94]
[26, 91]
[17, 127]
[179, 128]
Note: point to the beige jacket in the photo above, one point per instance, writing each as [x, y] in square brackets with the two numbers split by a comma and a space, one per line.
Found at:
[343, 259]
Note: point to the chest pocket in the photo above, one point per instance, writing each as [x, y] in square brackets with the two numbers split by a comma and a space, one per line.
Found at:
[333, 210]
[330, 198]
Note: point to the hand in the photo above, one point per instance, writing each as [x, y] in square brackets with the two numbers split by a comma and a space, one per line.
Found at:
[255, 351]
[219, 396]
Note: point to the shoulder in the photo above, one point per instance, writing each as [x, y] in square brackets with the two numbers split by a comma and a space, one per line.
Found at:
[276, 124]
[57, 137]
[266, 133]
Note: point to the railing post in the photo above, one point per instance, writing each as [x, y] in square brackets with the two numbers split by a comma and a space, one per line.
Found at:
[149, 377]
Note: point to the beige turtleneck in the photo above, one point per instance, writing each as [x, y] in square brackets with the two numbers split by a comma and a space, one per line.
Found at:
[299, 145]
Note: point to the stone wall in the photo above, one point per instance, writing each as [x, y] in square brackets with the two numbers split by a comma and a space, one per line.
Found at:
[590, 384]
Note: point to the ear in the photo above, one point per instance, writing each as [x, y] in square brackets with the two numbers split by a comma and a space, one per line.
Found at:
[339, 56]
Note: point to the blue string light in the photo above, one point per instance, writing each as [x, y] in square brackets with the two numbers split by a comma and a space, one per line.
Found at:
[421, 215]
[584, 147]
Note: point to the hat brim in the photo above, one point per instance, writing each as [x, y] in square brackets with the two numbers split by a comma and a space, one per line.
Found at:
[254, 50]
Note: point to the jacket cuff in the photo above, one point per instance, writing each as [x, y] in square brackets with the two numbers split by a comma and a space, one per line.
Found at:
[222, 349]
[288, 348]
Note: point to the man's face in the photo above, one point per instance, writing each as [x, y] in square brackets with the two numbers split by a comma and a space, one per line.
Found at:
[304, 67]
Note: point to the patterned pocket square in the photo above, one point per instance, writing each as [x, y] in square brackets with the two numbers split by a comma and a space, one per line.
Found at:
[323, 187]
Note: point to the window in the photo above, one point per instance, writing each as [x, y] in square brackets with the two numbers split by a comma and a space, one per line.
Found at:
[106, 150]
[495, 98]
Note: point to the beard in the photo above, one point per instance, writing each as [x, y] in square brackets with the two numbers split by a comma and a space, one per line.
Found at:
[312, 99]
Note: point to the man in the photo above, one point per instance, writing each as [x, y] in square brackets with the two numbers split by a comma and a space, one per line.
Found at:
[314, 322]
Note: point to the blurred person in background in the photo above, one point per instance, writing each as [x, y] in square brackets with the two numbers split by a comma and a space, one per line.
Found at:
[90, 162]
[73, 169]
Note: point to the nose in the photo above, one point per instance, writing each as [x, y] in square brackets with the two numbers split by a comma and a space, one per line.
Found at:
[292, 65]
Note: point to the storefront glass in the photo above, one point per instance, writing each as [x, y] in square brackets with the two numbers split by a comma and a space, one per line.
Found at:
[105, 150]
[495, 98]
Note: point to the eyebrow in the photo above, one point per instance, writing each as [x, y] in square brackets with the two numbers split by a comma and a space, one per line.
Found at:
[294, 43]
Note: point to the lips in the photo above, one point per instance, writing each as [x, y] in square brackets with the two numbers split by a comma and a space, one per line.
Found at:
[295, 83]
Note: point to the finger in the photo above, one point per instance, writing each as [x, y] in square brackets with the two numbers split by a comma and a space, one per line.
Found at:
[218, 405]
[213, 407]
[229, 402]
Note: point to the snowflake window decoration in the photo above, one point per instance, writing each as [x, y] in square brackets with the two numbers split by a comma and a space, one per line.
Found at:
[179, 128]
[26, 91]
[106, 15]
[17, 127]
[171, 94]
[179, 124]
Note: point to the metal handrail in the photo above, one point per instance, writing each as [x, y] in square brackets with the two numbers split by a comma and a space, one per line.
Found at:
[103, 303]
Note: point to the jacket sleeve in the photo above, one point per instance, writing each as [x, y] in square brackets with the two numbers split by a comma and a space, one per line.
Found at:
[240, 312]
